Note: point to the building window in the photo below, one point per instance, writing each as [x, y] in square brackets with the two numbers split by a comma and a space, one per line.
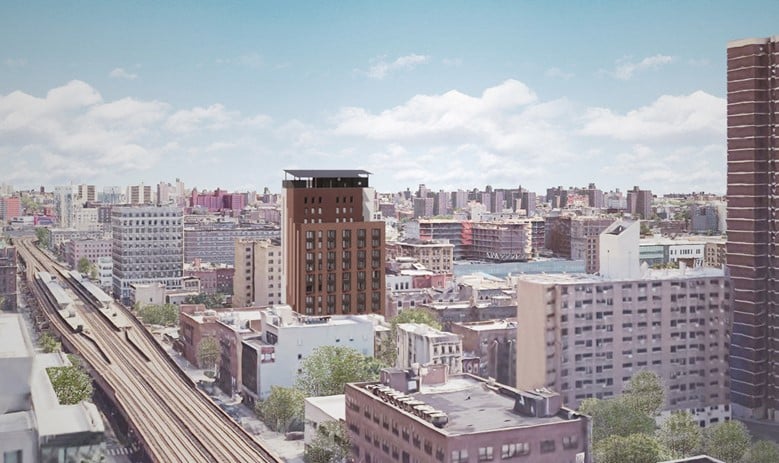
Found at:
[515, 450]
[14, 456]
[547, 446]
[459, 456]
[485, 453]
[570, 442]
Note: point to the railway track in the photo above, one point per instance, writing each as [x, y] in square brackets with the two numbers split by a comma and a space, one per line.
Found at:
[172, 419]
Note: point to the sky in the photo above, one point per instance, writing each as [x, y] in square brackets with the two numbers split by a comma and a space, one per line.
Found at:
[451, 94]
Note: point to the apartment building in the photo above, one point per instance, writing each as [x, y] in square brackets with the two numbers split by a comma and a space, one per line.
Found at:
[215, 241]
[257, 280]
[585, 235]
[423, 345]
[639, 203]
[333, 248]
[585, 335]
[434, 255]
[75, 250]
[147, 247]
[456, 232]
[493, 343]
[460, 419]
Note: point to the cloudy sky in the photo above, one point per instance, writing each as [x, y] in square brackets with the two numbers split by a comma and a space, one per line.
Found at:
[452, 94]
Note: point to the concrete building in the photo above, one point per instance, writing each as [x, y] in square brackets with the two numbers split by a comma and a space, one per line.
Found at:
[215, 241]
[10, 208]
[257, 280]
[105, 271]
[214, 278]
[434, 255]
[34, 427]
[585, 336]
[461, 419]
[333, 248]
[704, 218]
[320, 410]
[92, 250]
[585, 238]
[660, 251]
[147, 247]
[140, 194]
[422, 345]
[752, 201]
[500, 241]
[7, 277]
[424, 207]
[274, 357]
[456, 232]
[639, 203]
[493, 343]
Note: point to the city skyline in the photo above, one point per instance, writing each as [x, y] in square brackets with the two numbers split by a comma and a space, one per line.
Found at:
[454, 96]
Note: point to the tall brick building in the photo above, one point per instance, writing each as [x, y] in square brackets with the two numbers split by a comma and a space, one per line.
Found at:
[752, 225]
[333, 248]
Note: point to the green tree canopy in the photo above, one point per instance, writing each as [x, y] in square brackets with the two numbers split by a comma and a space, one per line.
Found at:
[645, 392]
[211, 301]
[329, 368]
[616, 417]
[681, 436]
[71, 384]
[330, 445]
[283, 409]
[208, 353]
[84, 265]
[634, 448]
[156, 314]
[762, 452]
[49, 343]
[727, 441]
[42, 235]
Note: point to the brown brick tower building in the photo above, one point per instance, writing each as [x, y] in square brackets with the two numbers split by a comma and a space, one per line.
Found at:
[753, 198]
[333, 250]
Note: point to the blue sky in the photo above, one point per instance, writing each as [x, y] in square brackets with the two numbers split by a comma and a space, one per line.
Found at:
[450, 94]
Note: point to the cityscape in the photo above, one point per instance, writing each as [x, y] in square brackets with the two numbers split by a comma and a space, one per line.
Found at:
[224, 240]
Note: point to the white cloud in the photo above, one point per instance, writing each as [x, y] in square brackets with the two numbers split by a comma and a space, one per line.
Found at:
[380, 68]
[120, 73]
[625, 69]
[557, 73]
[698, 116]
[215, 116]
[451, 113]
[453, 62]
[15, 63]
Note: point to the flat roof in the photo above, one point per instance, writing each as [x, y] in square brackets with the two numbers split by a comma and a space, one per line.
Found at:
[332, 405]
[650, 275]
[326, 173]
[14, 342]
[472, 408]
[490, 324]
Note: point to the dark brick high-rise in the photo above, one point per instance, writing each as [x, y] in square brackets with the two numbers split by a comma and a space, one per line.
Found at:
[333, 247]
[753, 199]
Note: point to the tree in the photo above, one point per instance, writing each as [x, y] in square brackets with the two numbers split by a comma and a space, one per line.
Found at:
[29, 205]
[71, 384]
[208, 353]
[211, 301]
[43, 236]
[762, 452]
[727, 441]
[330, 445]
[645, 392]
[616, 417]
[283, 409]
[681, 436]
[329, 368]
[49, 343]
[634, 448]
[154, 314]
[84, 265]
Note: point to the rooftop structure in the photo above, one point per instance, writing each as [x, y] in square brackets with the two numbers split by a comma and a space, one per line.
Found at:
[461, 420]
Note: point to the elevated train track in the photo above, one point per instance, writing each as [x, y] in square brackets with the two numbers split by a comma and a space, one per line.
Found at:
[172, 420]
